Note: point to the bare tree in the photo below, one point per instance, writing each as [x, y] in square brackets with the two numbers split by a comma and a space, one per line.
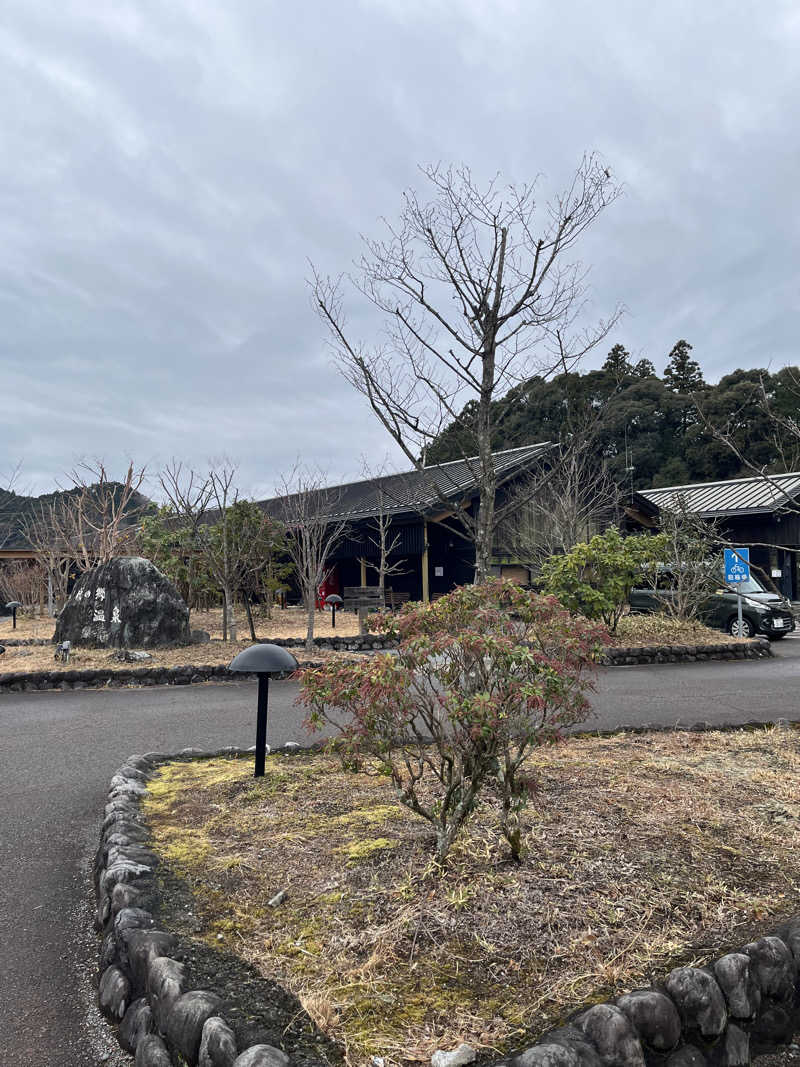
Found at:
[383, 538]
[689, 570]
[78, 528]
[189, 495]
[44, 528]
[477, 293]
[552, 515]
[95, 520]
[783, 418]
[23, 580]
[314, 528]
[217, 542]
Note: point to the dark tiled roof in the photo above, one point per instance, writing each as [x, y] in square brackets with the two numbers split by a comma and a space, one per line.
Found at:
[418, 491]
[741, 496]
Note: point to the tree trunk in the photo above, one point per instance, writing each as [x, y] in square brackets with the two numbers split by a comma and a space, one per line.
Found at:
[231, 618]
[484, 533]
[311, 606]
[249, 614]
[228, 618]
[487, 487]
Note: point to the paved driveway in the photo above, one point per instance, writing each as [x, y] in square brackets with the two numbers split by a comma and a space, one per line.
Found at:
[58, 751]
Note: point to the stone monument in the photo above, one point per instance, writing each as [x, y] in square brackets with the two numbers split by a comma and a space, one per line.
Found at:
[125, 603]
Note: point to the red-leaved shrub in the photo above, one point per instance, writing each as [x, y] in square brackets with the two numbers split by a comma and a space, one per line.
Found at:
[480, 677]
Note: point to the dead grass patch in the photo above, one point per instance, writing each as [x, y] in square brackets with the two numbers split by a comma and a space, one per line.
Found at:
[643, 851]
[639, 631]
[27, 626]
[287, 623]
[41, 658]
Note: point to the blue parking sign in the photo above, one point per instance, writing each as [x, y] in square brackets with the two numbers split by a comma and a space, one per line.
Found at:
[737, 565]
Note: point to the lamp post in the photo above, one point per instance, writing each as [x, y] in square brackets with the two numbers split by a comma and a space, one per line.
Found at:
[12, 606]
[263, 660]
[335, 601]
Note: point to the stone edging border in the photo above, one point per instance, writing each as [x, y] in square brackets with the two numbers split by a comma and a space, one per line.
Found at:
[353, 643]
[142, 988]
[27, 681]
[618, 655]
[744, 1003]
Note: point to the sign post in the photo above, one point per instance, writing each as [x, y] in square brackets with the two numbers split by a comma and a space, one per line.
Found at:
[737, 570]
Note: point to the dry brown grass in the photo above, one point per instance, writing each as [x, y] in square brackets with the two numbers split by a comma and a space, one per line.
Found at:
[27, 626]
[639, 631]
[644, 851]
[287, 623]
[41, 658]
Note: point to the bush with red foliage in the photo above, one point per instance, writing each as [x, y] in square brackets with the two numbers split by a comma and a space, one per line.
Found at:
[480, 677]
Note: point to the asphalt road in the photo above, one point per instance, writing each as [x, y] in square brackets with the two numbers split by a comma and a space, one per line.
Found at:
[58, 751]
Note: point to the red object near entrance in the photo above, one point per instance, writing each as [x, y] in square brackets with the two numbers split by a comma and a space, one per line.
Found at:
[329, 585]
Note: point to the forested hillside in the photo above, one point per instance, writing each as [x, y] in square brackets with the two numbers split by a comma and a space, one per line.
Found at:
[647, 426]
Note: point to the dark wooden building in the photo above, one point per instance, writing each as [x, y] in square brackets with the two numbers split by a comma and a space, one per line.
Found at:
[420, 505]
[762, 513]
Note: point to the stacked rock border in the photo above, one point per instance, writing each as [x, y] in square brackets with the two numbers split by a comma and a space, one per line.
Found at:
[142, 987]
[26, 681]
[619, 656]
[99, 678]
[721, 1015]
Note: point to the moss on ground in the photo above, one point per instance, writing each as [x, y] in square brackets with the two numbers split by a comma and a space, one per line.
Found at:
[643, 852]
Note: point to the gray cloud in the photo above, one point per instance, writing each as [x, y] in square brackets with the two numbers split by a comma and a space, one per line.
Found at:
[169, 169]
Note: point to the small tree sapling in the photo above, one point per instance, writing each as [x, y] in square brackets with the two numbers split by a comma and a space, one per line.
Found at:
[481, 676]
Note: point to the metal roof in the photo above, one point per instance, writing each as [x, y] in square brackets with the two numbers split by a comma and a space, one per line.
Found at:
[740, 496]
[414, 490]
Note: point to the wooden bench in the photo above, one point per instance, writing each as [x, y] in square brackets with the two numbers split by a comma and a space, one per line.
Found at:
[369, 597]
[394, 598]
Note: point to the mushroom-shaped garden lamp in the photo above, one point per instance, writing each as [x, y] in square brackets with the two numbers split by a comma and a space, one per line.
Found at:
[335, 601]
[263, 660]
[12, 606]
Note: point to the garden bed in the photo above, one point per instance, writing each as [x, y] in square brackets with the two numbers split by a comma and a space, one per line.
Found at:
[644, 852]
[215, 653]
[666, 639]
[287, 622]
[636, 631]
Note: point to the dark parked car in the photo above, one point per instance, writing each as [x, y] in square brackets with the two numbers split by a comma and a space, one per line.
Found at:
[762, 612]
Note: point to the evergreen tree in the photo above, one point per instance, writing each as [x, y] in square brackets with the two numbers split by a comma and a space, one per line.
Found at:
[650, 433]
[683, 374]
[618, 363]
[644, 369]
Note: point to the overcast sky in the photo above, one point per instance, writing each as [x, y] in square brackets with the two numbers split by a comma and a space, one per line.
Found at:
[170, 167]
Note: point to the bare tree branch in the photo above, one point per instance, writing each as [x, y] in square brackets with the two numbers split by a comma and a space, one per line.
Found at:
[477, 292]
[308, 510]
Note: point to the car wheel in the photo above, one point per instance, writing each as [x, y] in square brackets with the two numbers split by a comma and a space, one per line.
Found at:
[747, 629]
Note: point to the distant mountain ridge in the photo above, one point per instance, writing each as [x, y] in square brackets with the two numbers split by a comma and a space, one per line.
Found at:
[16, 510]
